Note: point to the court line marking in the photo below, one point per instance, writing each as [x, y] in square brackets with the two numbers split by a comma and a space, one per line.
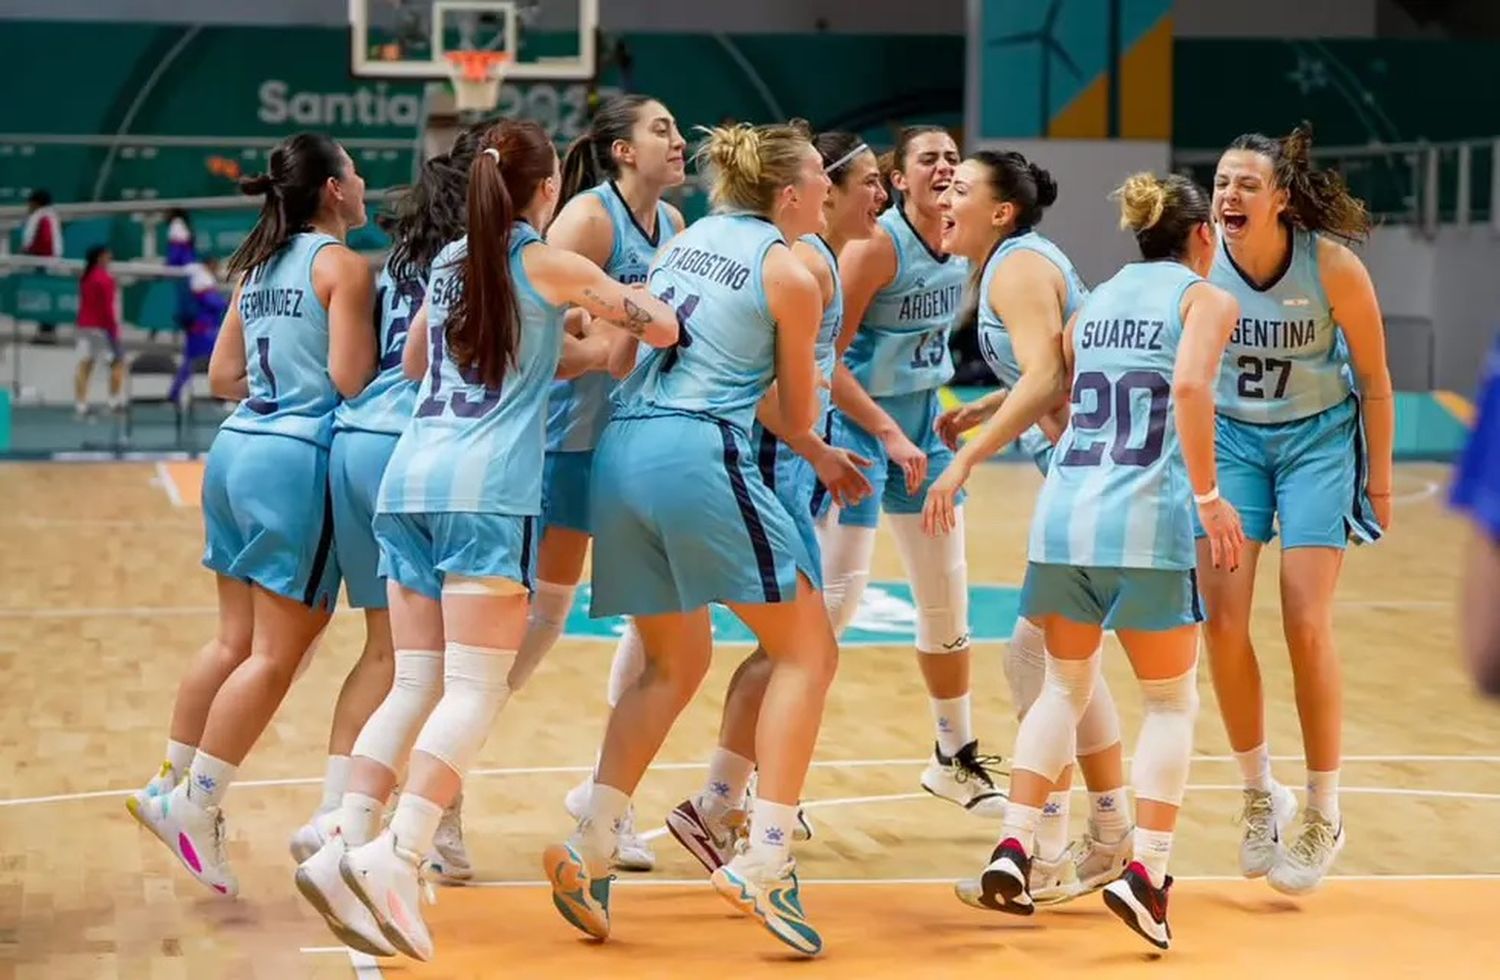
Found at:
[686, 882]
[167, 484]
[816, 764]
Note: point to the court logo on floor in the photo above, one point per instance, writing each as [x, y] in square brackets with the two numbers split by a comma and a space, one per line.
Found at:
[886, 615]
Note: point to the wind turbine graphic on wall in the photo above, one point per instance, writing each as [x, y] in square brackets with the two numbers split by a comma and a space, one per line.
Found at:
[1051, 47]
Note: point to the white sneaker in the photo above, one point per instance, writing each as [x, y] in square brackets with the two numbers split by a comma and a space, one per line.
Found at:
[1307, 860]
[388, 880]
[321, 883]
[193, 833]
[771, 895]
[1053, 882]
[310, 838]
[966, 778]
[710, 839]
[449, 859]
[1266, 816]
[165, 780]
[1098, 862]
[633, 852]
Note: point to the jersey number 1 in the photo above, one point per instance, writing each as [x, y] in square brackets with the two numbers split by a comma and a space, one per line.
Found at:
[256, 404]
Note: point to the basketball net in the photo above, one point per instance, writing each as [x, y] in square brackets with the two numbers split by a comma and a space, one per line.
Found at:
[476, 78]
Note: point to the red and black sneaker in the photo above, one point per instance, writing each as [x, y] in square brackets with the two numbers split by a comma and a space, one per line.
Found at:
[1004, 884]
[1141, 905]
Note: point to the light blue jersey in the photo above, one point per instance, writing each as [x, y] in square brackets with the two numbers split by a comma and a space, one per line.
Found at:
[1286, 359]
[825, 348]
[725, 358]
[385, 406]
[578, 409]
[902, 345]
[470, 448]
[286, 347]
[1117, 494]
[994, 340]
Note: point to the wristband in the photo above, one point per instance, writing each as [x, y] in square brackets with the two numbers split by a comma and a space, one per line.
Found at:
[1206, 498]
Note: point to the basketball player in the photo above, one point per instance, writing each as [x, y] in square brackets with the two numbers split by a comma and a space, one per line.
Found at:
[990, 215]
[456, 524]
[904, 294]
[1476, 492]
[1306, 424]
[807, 475]
[297, 336]
[613, 215]
[681, 519]
[365, 429]
[1112, 537]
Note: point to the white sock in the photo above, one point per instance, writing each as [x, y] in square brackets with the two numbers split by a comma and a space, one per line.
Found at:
[1052, 831]
[209, 779]
[416, 823]
[359, 818]
[602, 817]
[1255, 768]
[1152, 849]
[1323, 794]
[1109, 815]
[180, 756]
[728, 775]
[954, 721]
[1021, 823]
[771, 827]
[628, 665]
[335, 778]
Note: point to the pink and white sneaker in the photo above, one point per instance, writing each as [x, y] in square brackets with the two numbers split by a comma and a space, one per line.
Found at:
[195, 834]
[388, 879]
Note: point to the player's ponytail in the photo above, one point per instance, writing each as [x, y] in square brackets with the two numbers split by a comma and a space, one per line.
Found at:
[1162, 212]
[1317, 198]
[429, 214]
[749, 165]
[293, 185]
[483, 329]
[590, 159]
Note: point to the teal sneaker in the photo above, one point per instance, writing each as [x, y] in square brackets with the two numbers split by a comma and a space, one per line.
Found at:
[770, 895]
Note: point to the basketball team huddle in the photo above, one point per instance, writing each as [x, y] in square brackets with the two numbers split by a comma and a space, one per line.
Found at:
[720, 413]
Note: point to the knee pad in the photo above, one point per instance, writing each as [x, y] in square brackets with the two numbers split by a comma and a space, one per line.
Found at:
[1047, 741]
[544, 625]
[847, 553]
[416, 686]
[628, 665]
[1164, 749]
[475, 688]
[939, 579]
[1025, 665]
[1099, 728]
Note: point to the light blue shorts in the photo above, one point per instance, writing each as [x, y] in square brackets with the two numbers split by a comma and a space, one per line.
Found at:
[1304, 479]
[914, 413]
[268, 516]
[1149, 599]
[682, 518]
[420, 551]
[356, 462]
[796, 485]
[566, 481]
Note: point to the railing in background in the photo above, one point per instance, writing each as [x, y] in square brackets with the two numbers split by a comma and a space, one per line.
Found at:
[1422, 184]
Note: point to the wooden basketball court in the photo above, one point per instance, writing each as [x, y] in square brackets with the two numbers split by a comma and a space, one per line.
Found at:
[102, 601]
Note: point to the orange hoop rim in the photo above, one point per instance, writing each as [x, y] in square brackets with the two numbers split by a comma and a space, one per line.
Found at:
[477, 66]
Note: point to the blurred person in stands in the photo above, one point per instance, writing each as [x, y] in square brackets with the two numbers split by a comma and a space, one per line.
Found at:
[1476, 492]
[182, 251]
[204, 312]
[42, 235]
[98, 330]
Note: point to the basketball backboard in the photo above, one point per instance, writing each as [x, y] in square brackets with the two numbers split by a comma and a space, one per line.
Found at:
[545, 39]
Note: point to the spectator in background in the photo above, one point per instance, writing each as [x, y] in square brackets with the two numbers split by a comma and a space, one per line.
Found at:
[1476, 492]
[182, 250]
[98, 329]
[209, 304]
[42, 235]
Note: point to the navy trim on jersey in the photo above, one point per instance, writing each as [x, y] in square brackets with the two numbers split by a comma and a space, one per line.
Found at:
[765, 458]
[526, 552]
[652, 240]
[325, 545]
[819, 490]
[1198, 616]
[1286, 265]
[938, 257]
[1366, 521]
[765, 561]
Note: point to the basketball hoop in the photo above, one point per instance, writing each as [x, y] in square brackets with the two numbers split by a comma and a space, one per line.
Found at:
[476, 77]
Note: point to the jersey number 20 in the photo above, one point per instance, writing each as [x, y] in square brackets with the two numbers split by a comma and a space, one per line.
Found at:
[1112, 401]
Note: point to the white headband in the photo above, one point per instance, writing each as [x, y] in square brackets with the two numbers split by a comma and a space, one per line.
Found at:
[846, 158]
[491, 151]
